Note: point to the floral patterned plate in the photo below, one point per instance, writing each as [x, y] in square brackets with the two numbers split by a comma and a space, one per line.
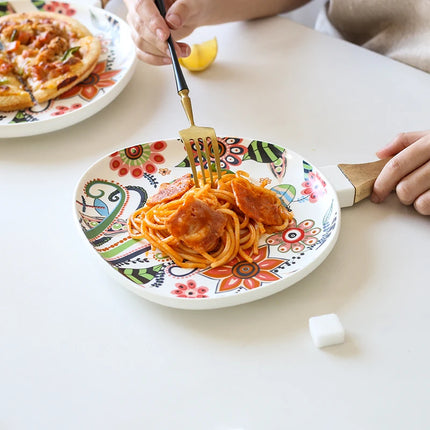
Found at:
[109, 78]
[118, 184]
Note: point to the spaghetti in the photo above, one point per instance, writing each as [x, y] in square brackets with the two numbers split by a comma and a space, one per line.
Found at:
[209, 225]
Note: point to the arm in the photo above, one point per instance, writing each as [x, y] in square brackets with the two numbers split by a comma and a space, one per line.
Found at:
[408, 172]
[150, 30]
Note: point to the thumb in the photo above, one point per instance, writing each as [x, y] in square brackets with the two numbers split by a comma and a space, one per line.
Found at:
[177, 14]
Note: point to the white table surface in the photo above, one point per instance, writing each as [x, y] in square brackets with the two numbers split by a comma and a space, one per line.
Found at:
[79, 351]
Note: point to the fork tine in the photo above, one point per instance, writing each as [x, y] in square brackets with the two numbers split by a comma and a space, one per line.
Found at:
[215, 149]
[200, 137]
[215, 154]
[200, 157]
[190, 154]
[208, 159]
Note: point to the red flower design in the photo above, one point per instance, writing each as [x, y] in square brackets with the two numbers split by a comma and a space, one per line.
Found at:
[55, 6]
[190, 290]
[139, 159]
[61, 110]
[295, 237]
[90, 87]
[231, 152]
[241, 273]
[314, 187]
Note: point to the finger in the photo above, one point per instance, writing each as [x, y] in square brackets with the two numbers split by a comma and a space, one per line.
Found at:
[152, 59]
[147, 50]
[177, 14]
[422, 203]
[161, 60]
[148, 53]
[149, 31]
[147, 17]
[183, 18]
[182, 49]
[151, 40]
[400, 142]
[400, 166]
[414, 184]
[147, 35]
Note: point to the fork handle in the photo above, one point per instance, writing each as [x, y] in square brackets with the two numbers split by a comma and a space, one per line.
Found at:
[181, 84]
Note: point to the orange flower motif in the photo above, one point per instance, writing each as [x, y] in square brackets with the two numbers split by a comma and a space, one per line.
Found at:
[90, 87]
[240, 273]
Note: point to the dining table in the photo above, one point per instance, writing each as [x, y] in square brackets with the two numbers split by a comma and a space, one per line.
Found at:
[80, 351]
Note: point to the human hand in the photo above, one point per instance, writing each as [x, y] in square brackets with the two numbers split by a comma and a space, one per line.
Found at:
[408, 172]
[150, 31]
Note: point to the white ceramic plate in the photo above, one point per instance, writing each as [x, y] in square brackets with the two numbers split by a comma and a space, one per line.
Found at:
[109, 78]
[118, 184]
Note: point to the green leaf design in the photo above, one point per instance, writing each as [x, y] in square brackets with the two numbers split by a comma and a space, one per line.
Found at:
[39, 4]
[184, 163]
[263, 152]
[141, 276]
[307, 168]
[285, 192]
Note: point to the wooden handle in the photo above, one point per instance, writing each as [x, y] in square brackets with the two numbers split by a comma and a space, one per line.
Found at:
[363, 176]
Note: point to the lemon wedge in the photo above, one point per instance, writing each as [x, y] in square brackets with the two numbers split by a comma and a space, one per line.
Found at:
[201, 57]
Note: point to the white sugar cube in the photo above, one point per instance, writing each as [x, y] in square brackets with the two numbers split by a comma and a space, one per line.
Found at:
[326, 330]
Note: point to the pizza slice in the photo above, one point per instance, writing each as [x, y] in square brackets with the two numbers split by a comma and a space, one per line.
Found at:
[13, 95]
[47, 79]
[50, 52]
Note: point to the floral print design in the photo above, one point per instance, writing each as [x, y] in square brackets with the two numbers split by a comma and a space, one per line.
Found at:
[314, 187]
[57, 7]
[231, 152]
[164, 172]
[98, 79]
[239, 272]
[139, 159]
[61, 110]
[295, 237]
[190, 290]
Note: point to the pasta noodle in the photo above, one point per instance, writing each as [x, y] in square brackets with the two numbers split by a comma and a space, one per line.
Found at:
[209, 225]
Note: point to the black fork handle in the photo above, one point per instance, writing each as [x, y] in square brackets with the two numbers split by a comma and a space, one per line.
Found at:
[181, 84]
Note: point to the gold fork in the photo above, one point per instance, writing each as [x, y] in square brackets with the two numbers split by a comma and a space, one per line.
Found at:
[193, 135]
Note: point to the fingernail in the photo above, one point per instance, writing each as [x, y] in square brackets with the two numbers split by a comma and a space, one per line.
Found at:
[375, 199]
[186, 51]
[174, 20]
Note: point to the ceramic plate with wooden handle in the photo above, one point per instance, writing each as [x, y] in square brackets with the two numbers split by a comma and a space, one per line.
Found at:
[119, 183]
